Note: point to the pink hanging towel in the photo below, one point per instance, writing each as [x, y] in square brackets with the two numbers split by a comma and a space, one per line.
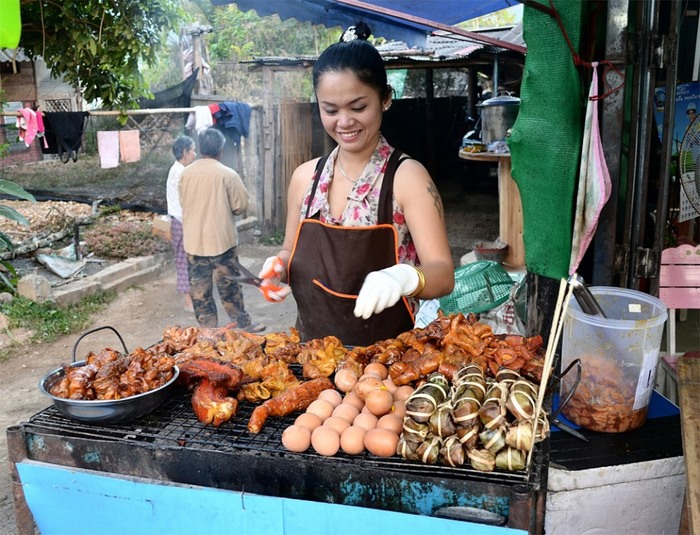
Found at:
[27, 125]
[130, 145]
[594, 181]
[108, 147]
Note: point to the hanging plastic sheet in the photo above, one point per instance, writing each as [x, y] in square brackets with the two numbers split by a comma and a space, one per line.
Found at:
[594, 180]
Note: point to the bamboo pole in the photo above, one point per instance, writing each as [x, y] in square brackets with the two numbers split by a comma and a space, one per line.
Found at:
[148, 111]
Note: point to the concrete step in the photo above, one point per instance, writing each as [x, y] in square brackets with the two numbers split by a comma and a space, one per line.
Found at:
[124, 269]
[118, 277]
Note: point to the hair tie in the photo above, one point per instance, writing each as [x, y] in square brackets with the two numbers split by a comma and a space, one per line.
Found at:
[358, 31]
[349, 35]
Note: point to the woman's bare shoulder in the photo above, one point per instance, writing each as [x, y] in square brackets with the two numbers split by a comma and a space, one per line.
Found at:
[306, 169]
[302, 177]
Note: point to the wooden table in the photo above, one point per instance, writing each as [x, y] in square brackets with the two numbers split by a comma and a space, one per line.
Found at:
[510, 213]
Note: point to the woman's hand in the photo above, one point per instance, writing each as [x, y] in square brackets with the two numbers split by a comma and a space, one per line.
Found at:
[382, 289]
[272, 273]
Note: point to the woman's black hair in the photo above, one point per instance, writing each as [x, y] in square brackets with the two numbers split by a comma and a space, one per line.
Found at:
[354, 53]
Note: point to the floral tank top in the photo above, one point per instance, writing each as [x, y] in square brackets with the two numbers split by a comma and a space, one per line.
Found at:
[362, 207]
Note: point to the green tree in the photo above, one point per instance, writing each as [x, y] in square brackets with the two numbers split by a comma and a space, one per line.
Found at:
[238, 36]
[98, 45]
[241, 35]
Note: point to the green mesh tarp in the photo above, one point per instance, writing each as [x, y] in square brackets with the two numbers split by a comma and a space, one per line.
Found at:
[545, 142]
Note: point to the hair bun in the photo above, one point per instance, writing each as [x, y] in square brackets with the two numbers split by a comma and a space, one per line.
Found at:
[358, 31]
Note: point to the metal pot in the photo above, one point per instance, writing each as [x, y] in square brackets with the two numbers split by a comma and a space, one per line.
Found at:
[102, 410]
[498, 115]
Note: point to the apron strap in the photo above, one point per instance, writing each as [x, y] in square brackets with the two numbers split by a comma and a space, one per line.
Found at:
[386, 205]
[317, 178]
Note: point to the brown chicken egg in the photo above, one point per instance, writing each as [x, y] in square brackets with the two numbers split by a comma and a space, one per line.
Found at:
[378, 369]
[403, 392]
[347, 411]
[379, 402]
[309, 420]
[365, 420]
[321, 408]
[399, 408]
[367, 384]
[381, 442]
[345, 380]
[325, 440]
[389, 384]
[352, 440]
[333, 396]
[296, 438]
[352, 398]
[337, 423]
[391, 422]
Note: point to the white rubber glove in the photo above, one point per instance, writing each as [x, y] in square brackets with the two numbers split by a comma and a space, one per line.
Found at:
[382, 289]
[275, 293]
[272, 272]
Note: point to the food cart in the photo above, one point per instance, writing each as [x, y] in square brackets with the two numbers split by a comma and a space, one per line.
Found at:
[170, 473]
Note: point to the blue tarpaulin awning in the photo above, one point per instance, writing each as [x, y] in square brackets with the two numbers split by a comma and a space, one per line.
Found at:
[401, 20]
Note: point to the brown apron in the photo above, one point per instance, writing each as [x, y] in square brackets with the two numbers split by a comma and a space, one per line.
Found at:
[329, 263]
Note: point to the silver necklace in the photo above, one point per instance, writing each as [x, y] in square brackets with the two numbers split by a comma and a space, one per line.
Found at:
[340, 166]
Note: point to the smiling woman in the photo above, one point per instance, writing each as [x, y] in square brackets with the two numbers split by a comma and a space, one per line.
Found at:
[367, 193]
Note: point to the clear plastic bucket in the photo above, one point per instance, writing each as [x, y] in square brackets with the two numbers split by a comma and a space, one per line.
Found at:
[619, 355]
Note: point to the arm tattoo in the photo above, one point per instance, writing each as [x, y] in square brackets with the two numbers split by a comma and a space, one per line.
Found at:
[435, 194]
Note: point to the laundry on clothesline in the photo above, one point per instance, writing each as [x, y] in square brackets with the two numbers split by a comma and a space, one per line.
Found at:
[130, 145]
[108, 148]
[200, 119]
[30, 124]
[64, 133]
[233, 119]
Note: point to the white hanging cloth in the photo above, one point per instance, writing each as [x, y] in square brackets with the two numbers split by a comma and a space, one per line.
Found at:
[594, 180]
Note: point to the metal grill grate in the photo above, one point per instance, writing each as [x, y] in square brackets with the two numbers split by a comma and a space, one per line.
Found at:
[174, 424]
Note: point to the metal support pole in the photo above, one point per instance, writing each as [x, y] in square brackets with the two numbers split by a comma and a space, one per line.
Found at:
[612, 119]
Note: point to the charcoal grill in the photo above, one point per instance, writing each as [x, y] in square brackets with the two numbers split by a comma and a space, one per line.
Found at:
[171, 445]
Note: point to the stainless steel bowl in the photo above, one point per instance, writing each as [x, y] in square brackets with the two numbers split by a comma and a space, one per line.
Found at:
[106, 411]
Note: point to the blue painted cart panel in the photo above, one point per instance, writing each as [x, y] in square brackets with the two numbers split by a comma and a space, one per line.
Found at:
[66, 501]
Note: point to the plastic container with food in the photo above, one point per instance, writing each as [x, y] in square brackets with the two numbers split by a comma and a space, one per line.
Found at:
[618, 354]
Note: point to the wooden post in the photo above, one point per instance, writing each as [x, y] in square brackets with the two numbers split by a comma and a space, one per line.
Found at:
[268, 136]
[688, 369]
[17, 449]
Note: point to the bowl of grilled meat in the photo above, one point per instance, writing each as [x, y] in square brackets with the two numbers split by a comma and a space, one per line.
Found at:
[110, 386]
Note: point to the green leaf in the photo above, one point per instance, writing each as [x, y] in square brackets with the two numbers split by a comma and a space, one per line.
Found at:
[12, 214]
[10, 188]
[5, 242]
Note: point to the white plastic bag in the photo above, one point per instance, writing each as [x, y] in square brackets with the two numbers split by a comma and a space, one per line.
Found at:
[505, 318]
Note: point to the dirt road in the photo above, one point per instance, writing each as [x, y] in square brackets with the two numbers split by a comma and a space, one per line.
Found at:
[140, 315]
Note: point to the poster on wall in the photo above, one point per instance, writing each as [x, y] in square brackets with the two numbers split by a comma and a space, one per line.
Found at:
[687, 102]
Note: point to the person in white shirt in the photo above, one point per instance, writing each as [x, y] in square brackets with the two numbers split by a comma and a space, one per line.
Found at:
[184, 151]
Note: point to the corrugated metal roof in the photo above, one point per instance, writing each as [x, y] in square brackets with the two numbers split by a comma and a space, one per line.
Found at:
[439, 48]
[16, 54]
[406, 20]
